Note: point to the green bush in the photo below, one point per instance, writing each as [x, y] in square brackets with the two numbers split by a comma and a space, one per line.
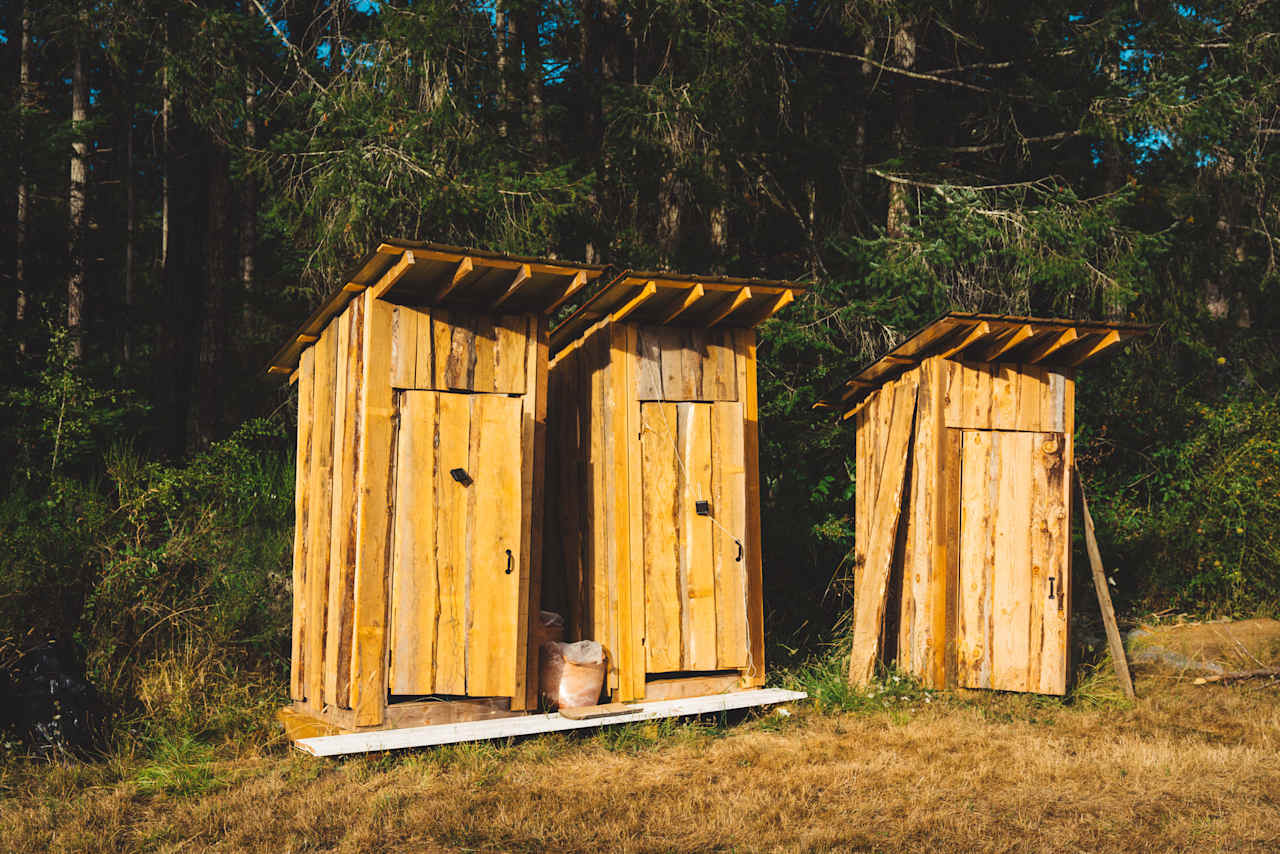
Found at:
[143, 564]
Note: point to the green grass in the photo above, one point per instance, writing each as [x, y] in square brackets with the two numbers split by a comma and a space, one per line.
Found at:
[182, 767]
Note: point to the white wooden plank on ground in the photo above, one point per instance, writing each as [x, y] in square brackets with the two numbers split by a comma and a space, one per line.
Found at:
[436, 734]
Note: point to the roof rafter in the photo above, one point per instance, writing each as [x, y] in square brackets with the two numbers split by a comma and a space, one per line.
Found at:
[739, 298]
[522, 275]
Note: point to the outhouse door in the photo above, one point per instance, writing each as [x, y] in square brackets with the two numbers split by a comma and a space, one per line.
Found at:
[1014, 555]
[694, 529]
[456, 549]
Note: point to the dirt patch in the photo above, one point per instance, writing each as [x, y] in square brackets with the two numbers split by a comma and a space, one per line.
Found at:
[1196, 649]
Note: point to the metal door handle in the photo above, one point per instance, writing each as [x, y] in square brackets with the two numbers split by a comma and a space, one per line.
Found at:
[738, 559]
[1051, 580]
[509, 559]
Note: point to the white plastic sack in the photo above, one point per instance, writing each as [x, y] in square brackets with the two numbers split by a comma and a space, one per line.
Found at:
[571, 675]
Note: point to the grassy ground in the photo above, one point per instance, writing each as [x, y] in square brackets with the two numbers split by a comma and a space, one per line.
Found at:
[1186, 768]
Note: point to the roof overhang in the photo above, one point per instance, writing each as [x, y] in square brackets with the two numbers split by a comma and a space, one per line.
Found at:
[677, 299]
[1049, 341]
[417, 273]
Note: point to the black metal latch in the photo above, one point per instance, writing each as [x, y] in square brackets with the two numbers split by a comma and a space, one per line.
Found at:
[703, 507]
[461, 476]
[1051, 580]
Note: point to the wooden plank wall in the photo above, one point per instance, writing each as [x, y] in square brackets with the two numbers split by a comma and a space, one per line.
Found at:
[952, 397]
[678, 364]
[889, 431]
[1003, 396]
[594, 551]
[346, 480]
[331, 400]
[451, 350]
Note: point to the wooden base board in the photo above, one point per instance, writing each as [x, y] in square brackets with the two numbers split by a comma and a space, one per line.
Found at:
[415, 713]
[692, 686]
[533, 724]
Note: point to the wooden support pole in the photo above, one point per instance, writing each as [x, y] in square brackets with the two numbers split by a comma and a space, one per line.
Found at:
[1114, 642]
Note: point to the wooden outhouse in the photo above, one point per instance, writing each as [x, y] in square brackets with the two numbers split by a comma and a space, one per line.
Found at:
[653, 545]
[421, 437]
[964, 460]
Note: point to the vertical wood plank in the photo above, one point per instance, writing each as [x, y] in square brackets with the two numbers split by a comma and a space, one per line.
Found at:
[608, 516]
[633, 616]
[452, 438]
[1012, 566]
[460, 368]
[695, 359]
[697, 566]
[953, 393]
[1051, 545]
[424, 362]
[353, 437]
[373, 515]
[485, 342]
[511, 335]
[661, 561]
[498, 549]
[729, 506]
[937, 463]
[681, 365]
[600, 498]
[414, 597]
[720, 377]
[1033, 399]
[861, 477]
[404, 347]
[873, 582]
[620, 394]
[301, 529]
[975, 525]
[1006, 385]
[1055, 400]
[745, 351]
[321, 489]
[441, 347]
[343, 500]
[916, 642]
[948, 555]
[978, 397]
[648, 363]
[534, 370]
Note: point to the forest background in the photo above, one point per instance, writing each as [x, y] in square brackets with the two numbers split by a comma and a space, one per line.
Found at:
[186, 180]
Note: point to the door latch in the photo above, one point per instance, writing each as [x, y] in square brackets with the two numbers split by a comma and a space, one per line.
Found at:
[703, 507]
[1051, 580]
[461, 476]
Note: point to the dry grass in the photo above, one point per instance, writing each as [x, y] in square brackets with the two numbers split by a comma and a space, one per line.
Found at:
[1185, 769]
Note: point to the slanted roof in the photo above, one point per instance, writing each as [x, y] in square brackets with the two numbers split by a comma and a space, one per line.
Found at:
[411, 272]
[1049, 341]
[677, 299]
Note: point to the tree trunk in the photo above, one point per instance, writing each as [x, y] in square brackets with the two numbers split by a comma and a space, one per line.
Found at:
[131, 223]
[76, 207]
[898, 219]
[177, 334]
[527, 27]
[218, 274]
[26, 98]
[502, 28]
[248, 207]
